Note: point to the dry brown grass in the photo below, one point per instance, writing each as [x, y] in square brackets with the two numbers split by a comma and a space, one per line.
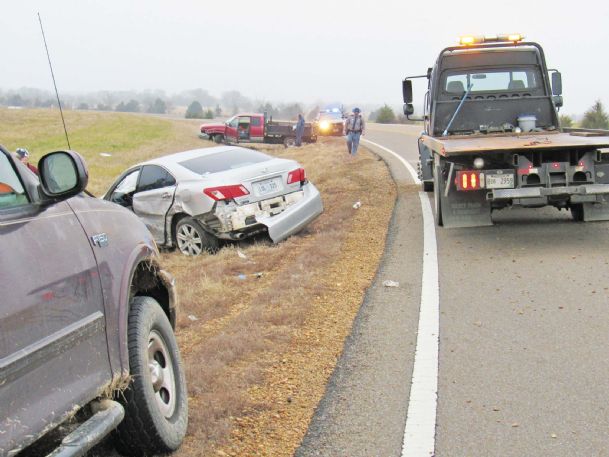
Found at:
[245, 328]
[248, 345]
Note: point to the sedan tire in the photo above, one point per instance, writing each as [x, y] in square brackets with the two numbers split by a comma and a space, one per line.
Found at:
[156, 401]
[193, 240]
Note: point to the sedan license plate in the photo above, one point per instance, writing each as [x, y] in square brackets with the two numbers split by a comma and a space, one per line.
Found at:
[496, 181]
[268, 186]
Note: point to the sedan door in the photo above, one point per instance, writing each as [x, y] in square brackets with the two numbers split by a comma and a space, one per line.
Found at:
[153, 199]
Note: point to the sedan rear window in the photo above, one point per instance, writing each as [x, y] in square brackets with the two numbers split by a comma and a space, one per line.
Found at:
[225, 160]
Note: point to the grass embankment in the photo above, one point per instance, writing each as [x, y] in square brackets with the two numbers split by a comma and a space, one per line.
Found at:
[258, 351]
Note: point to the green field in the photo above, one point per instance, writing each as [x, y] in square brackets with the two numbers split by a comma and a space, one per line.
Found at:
[128, 138]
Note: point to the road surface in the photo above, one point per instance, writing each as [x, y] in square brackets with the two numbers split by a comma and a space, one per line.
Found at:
[522, 366]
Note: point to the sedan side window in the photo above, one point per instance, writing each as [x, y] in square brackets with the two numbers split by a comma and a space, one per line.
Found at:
[12, 192]
[154, 177]
[124, 190]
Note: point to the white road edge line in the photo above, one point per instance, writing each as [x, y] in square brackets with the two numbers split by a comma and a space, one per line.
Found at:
[420, 429]
[409, 167]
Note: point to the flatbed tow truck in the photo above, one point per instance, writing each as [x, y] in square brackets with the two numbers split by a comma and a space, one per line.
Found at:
[492, 137]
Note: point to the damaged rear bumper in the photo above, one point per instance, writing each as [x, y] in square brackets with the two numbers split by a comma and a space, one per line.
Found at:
[296, 216]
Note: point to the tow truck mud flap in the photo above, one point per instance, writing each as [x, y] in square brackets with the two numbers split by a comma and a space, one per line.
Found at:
[464, 209]
[598, 211]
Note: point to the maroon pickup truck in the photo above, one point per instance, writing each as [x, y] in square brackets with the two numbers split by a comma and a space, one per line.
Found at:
[86, 319]
[256, 128]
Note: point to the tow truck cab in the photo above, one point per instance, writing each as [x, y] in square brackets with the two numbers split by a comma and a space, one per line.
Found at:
[492, 136]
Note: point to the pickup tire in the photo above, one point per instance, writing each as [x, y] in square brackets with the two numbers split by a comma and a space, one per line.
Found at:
[577, 212]
[218, 138]
[192, 239]
[156, 401]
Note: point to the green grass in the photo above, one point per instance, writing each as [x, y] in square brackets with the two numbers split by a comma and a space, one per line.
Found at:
[128, 138]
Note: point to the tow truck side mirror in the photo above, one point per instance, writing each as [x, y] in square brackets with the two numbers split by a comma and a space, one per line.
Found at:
[408, 109]
[407, 91]
[556, 83]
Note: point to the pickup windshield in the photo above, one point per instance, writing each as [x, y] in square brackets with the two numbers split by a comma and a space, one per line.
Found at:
[495, 80]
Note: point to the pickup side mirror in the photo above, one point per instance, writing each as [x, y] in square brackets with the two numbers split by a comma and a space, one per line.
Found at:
[407, 91]
[556, 83]
[63, 174]
[408, 109]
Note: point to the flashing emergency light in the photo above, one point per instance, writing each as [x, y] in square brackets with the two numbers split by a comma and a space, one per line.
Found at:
[467, 40]
[324, 125]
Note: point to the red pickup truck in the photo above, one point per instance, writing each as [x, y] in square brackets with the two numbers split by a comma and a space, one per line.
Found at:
[256, 128]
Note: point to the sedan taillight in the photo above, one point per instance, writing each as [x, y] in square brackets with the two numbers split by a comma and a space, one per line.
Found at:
[226, 192]
[297, 175]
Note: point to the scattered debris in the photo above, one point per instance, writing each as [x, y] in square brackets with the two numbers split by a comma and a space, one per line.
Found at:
[357, 204]
[105, 154]
[241, 254]
[241, 276]
[258, 274]
[390, 283]
[193, 317]
[515, 424]
[553, 435]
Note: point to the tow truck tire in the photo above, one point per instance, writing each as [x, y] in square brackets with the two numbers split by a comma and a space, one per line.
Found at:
[218, 138]
[156, 401]
[289, 142]
[577, 212]
[437, 188]
[192, 239]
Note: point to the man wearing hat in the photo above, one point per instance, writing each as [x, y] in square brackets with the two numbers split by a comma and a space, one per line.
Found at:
[354, 128]
[24, 157]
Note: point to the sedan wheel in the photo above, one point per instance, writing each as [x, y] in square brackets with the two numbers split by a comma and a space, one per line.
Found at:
[192, 240]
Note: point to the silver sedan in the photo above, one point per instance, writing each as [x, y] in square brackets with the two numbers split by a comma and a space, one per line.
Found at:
[195, 198]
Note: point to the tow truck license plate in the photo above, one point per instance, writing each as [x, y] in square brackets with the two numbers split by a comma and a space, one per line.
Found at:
[499, 181]
[268, 186]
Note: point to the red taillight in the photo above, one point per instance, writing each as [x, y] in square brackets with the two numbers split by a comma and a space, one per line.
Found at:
[468, 180]
[297, 175]
[226, 192]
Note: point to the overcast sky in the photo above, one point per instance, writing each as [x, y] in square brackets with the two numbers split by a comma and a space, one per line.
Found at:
[352, 51]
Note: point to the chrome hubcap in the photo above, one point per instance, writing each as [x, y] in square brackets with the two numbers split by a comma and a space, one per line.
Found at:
[189, 240]
[161, 374]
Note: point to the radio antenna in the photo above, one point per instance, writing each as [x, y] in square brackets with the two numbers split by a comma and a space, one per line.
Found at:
[54, 83]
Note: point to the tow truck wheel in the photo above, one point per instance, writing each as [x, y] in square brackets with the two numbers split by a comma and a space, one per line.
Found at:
[577, 212]
[156, 401]
[437, 188]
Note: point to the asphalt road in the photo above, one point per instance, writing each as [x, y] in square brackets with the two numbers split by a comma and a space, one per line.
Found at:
[523, 366]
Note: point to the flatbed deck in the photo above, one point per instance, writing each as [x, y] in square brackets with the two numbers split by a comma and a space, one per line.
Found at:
[492, 143]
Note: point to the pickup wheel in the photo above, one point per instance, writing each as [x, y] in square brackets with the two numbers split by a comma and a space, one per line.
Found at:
[192, 239]
[156, 401]
[218, 138]
[577, 212]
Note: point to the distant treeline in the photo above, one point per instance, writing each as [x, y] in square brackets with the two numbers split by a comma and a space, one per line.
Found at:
[196, 103]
